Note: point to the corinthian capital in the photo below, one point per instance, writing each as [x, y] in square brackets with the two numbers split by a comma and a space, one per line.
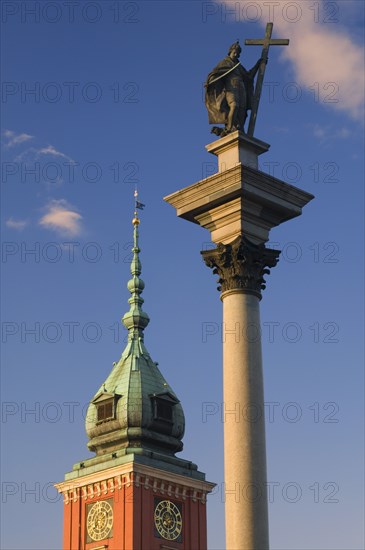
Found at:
[241, 265]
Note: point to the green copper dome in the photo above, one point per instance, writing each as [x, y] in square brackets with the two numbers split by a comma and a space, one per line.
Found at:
[135, 409]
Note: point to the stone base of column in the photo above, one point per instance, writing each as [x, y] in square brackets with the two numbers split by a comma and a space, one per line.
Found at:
[237, 148]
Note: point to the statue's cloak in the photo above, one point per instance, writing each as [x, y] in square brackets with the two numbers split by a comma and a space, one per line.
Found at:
[215, 93]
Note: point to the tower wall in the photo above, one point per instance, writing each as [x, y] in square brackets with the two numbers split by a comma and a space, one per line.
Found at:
[134, 496]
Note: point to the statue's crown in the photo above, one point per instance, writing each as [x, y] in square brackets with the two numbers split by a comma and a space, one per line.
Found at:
[235, 46]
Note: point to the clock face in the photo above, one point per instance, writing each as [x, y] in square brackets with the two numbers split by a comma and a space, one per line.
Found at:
[168, 520]
[99, 520]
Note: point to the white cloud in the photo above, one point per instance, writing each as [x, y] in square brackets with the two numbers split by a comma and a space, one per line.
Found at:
[328, 132]
[19, 225]
[320, 52]
[28, 155]
[50, 150]
[15, 139]
[31, 155]
[60, 217]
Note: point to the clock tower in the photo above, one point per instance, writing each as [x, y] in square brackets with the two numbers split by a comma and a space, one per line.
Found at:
[135, 494]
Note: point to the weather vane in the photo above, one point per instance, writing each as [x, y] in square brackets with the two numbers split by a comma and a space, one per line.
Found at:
[230, 90]
[137, 206]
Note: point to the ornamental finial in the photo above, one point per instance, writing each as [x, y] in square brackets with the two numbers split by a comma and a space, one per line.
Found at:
[136, 320]
[137, 204]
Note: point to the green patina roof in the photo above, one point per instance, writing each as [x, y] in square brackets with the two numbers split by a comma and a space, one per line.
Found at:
[136, 387]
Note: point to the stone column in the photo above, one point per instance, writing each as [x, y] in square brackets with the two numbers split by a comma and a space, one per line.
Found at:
[240, 267]
[239, 205]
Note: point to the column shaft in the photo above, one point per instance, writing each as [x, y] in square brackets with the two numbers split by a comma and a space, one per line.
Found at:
[244, 430]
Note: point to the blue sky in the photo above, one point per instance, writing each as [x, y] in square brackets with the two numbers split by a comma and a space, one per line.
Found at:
[117, 101]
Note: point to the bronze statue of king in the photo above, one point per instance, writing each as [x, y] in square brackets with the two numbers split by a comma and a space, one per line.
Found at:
[229, 92]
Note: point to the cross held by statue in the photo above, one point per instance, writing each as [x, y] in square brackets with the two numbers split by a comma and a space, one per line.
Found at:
[266, 42]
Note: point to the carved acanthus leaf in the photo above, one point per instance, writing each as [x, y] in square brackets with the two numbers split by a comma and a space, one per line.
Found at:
[241, 265]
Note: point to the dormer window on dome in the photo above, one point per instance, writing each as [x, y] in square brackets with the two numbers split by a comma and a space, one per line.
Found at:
[106, 410]
[105, 403]
[163, 404]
